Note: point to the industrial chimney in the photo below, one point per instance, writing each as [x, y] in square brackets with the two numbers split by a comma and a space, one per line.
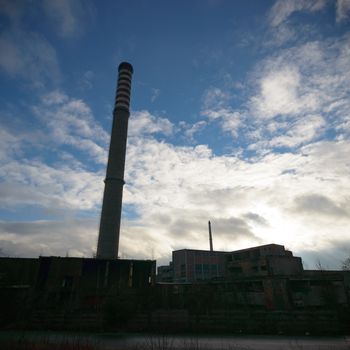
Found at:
[108, 239]
[210, 237]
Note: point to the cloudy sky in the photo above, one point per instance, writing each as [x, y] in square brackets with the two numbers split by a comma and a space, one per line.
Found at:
[240, 114]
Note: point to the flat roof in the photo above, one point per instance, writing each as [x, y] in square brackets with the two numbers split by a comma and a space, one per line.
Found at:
[233, 251]
[258, 247]
[199, 250]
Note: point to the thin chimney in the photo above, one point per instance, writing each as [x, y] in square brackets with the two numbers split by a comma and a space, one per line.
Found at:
[210, 237]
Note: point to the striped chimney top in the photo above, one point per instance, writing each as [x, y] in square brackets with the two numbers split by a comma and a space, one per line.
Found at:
[122, 99]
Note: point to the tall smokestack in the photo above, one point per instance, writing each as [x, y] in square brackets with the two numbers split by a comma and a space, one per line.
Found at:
[108, 239]
[210, 237]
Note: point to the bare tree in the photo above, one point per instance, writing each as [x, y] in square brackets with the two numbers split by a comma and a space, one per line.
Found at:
[319, 266]
[345, 264]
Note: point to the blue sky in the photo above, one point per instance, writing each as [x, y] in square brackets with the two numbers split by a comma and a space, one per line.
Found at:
[240, 115]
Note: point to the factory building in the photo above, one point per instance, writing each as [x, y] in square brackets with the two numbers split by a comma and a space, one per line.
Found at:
[71, 293]
[76, 283]
[191, 265]
[265, 260]
[165, 273]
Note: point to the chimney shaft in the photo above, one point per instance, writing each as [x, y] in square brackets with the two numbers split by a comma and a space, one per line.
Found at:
[210, 237]
[108, 239]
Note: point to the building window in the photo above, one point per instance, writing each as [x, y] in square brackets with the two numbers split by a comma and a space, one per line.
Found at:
[256, 253]
[236, 269]
[67, 282]
[182, 270]
[237, 257]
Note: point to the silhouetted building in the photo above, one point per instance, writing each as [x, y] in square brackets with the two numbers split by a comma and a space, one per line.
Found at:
[192, 265]
[72, 282]
[265, 260]
[78, 293]
[165, 273]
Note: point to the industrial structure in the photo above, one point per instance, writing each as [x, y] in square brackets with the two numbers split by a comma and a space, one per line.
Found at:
[193, 265]
[190, 265]
[210, 237]
[260, 289]
[108, 239]
[66, 292]
[265, 260]
[112, 294]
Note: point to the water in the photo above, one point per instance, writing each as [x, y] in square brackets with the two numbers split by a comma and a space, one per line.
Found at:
[191, 342]
[231, 342]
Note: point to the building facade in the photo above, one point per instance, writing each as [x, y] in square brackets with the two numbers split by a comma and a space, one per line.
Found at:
[72, 282]
[190, 265]
[265, 260]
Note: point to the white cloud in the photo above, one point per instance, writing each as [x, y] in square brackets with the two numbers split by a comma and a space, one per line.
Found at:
[175, 190]
[86, 81]
[9, 144]
[286, 28]
[155, 94]
[176, 195]
[68, 16]
[278, 94]
[192, 129]
[215, 98]
[34, 238]
[10, 60]
[70, 121]
[144, 123]
[296, 95]
[25, 53]
[299, 93]
[342, 10]
[216, 106]
[317, 204]
[282, 9]
[302, 131]
[54, 180]
[230, 120]
[282, 34]
[37, 184]
[29, 56]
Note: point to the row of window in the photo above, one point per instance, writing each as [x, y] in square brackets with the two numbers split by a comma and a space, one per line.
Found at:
[201, 269]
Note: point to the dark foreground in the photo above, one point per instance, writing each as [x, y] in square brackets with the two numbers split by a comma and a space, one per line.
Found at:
[77, 341]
